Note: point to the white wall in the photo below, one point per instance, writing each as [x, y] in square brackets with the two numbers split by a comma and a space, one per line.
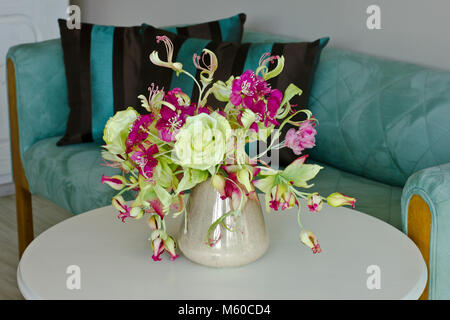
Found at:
[412, 30]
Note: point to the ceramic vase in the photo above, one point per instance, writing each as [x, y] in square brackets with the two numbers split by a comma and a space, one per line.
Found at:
[243, 241]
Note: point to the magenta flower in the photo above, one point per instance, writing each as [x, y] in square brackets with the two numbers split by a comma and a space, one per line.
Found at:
[203, 110]
[144, 159]
[157, 207]
[253, 92]
[273, 104]
[301, 139]
[246, 84]
[172, 120]
[138, 132]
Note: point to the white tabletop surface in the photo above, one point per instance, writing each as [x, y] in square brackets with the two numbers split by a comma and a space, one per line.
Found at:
[115, 261]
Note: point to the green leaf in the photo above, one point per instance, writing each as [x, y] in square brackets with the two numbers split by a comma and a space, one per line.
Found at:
[300, 173]
[191, 178]
[265, 184]
[163, 173]
[164, 197]
[291, 91]
[244, 177]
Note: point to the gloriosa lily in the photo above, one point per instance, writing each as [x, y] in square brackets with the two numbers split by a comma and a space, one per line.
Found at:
[155, 99]
[154, 57]
[207, 67]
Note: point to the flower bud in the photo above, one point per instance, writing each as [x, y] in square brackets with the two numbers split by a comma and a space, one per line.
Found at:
[119, 203]
[310, 240]
[136, 212]
[116, 182]
[219, 183]
[169, 246]
[314, 202]
[338, 199]
[152, 223]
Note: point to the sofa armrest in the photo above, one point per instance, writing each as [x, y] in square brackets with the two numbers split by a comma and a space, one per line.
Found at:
[426, 220]
[40, 91]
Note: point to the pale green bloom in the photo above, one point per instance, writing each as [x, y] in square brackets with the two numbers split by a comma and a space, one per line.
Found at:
[202, 142]
[117, 128]
[222, 90]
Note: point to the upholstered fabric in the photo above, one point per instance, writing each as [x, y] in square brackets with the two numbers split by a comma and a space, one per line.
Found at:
[70, 176]
[374, 198]
[41, 90]
[433, 185]
[378, 118]
[107, 67]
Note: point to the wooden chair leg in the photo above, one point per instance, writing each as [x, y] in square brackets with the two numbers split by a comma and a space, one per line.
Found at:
[23, 195]
[24, 218]
[419, 230]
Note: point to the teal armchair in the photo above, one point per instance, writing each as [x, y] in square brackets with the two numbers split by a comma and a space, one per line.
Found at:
[382, 138]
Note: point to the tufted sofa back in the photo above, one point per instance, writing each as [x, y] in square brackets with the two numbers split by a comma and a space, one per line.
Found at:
[378, 118]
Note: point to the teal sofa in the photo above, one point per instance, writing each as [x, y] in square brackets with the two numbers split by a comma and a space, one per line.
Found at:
[383, 137]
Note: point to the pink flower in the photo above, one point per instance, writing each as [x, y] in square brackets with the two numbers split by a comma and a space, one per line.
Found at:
[138, 131]
[144, 159]
[301, 139]
[172, 120]
[203, 110]
[157, 207]
[273, 104]
[252, 92]
[245, 85]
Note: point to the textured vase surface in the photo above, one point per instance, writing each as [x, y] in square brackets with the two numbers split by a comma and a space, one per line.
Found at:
[247, 241]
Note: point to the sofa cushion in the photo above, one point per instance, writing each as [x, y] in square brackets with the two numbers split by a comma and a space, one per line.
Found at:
[70, 177]
[378, 118]
[374, 198]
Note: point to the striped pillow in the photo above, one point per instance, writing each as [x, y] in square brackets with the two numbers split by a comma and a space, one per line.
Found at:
[104, 64]
[301, 59]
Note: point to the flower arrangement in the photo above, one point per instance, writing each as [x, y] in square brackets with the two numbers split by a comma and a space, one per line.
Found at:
[181, 143]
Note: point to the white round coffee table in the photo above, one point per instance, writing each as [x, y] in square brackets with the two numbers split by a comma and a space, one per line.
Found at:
[114, 261]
